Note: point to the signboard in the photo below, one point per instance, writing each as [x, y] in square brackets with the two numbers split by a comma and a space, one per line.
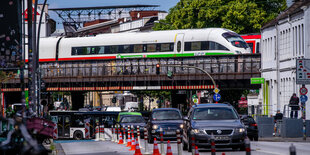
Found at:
[217, 97]
[243, 104]
[216, 90]
[303, 98]
[303, 91]
[303, 71]
[257, 80]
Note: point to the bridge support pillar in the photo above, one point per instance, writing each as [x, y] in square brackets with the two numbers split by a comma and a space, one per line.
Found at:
[77, 100]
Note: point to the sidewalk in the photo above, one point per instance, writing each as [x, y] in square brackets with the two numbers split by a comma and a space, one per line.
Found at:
[280, 139]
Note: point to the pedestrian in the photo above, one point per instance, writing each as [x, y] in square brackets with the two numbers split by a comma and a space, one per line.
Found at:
[277, 122]
[294, 104]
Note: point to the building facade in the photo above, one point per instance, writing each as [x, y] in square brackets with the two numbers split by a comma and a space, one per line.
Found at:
[284, 40]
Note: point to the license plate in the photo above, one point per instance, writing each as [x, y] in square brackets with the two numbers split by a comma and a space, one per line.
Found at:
[221, 138]
[169, 132]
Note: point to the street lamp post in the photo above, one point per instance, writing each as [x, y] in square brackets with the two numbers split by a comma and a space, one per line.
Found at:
[186, 66]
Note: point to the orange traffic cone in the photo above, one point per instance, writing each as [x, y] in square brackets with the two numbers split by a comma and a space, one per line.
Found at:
[129, 141]
[120, 138]
[169, 151]
[155, 149]
[138, 151]
[133, 145]
[196, 150]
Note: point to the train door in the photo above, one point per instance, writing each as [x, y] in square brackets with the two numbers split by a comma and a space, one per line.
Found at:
[179, 44]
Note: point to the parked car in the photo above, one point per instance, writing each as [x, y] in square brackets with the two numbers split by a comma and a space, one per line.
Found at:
[169, 119]
[251, 127]
[221, 120]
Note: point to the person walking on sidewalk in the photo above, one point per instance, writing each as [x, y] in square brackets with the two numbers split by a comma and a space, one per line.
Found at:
[294, 104]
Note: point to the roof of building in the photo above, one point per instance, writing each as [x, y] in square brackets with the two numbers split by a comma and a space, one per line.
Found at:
[104, 7]
[293, 9]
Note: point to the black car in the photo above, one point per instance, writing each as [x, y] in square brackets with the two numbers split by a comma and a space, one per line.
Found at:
[169, 119]
[221, 120]
[133, 121]
[251, 127]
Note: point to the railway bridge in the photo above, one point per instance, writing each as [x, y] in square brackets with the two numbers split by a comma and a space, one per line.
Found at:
[228, 71]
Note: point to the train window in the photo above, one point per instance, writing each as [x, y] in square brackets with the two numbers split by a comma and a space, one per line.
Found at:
[144, 48]
[114, 49]
[151, 47]
[204, 45]
[235, 39]
[100, 50]
[165, 47]
[251, 46]
[137, 48]
[216, 46]
[187, 46]
[127, 49]
[120, 49]
[107, 49]
[257, 48]
[196, 46]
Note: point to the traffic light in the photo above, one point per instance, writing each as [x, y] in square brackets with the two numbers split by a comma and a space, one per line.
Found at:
[43, 86]
[114, 100]
[157, 69]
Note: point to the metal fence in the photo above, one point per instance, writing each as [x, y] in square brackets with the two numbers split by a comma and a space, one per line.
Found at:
[147, 66]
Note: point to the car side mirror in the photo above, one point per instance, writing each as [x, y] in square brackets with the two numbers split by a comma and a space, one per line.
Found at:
[185, 118]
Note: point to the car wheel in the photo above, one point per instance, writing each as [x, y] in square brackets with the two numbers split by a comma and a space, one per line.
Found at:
[150, 139]
[242, 148]
[185, 147]
[189, 144]
[78, 135]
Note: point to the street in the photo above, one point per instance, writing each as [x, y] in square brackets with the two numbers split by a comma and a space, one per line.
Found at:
[73, 147]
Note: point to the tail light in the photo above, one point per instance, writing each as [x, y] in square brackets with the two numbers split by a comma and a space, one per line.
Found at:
[253, 124]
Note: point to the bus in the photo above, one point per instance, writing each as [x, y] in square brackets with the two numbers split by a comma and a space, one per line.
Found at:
[253, 40]
[71, 125]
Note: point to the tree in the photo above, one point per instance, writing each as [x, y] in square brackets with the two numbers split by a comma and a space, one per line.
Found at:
[241, 16]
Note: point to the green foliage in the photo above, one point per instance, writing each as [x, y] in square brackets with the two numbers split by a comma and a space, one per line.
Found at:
[241, 16]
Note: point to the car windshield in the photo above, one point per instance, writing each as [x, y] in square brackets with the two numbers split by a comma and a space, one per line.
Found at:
[132, 119]
[214, 113]
[166, 115]
[235, 40]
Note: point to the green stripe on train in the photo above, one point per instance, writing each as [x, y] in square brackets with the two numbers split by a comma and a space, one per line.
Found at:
[218, 53]
[131, 56]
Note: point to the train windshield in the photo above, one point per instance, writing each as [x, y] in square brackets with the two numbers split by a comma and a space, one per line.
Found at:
[235, 40]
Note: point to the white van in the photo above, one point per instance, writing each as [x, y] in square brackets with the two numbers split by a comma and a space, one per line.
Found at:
[113, 109]
[131, 105]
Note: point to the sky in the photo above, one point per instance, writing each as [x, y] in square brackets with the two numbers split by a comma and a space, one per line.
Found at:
[165, 5]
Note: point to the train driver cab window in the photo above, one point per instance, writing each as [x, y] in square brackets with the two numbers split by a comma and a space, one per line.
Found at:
[251, 46]
[216, 46]
[235, 39]
[257, 48]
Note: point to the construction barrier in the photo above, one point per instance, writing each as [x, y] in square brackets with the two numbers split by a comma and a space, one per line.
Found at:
[179, 142]
[129, 138]
[97, 136]
[292, 150]
[124, 134]
[161, 133]
[212, 141]
[133, 143]
[87, 134]
[146, 139]
[55, 131]
[193, 142]
[138, 135]
[247, 146]
[196, 150]
[101, 133]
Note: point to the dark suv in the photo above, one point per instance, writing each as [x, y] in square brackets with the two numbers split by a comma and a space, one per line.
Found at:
[251, 127]
[221, 120]
[169, 119]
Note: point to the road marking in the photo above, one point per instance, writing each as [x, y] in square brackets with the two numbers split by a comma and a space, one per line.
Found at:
[259, 150]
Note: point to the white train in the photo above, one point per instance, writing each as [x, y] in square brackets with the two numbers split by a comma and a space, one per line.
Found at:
[172, 43]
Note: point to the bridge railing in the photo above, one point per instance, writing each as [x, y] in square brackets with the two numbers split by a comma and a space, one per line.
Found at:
[147, 66]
